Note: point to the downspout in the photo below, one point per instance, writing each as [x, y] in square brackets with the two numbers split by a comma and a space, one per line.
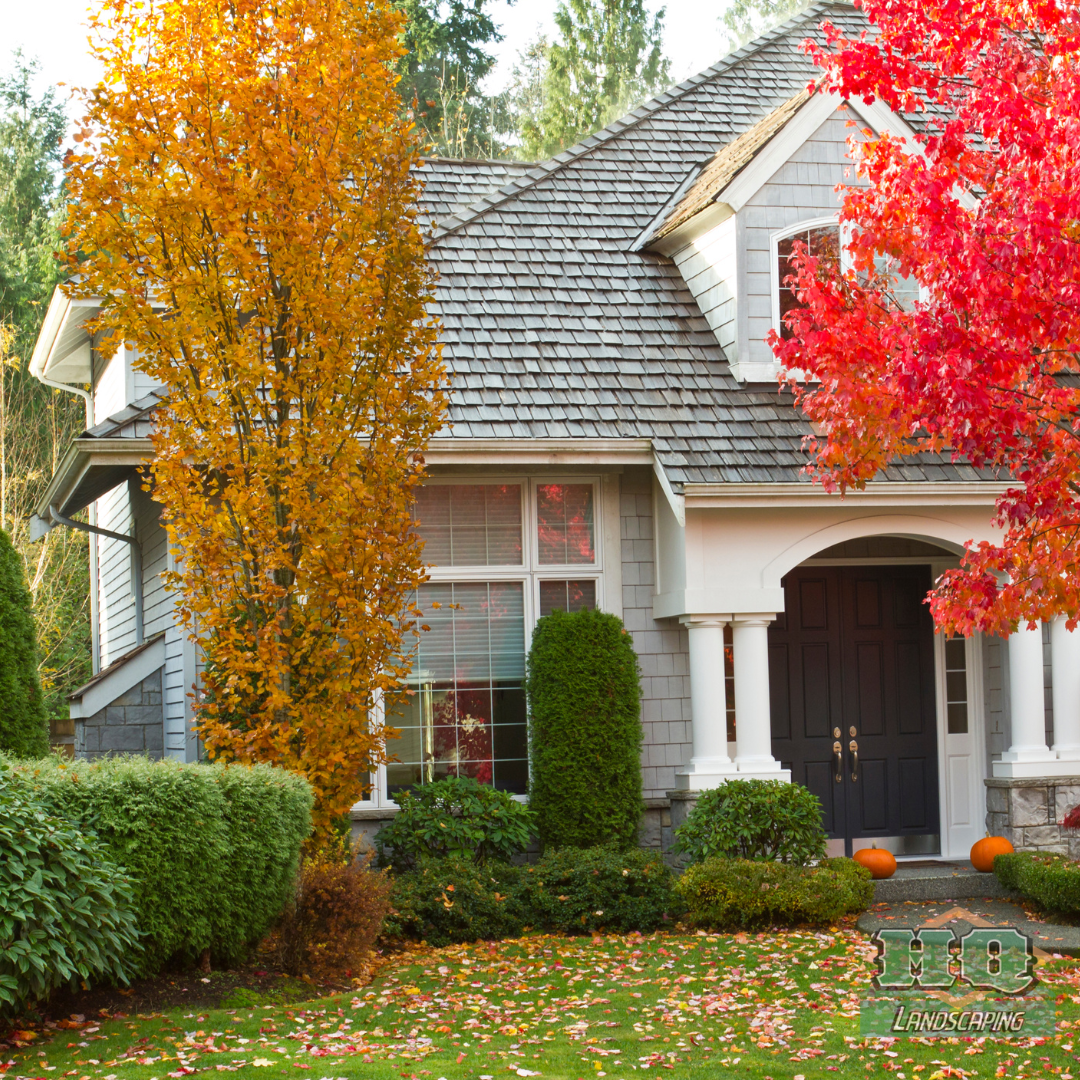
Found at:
[95, 630]
[136, 562]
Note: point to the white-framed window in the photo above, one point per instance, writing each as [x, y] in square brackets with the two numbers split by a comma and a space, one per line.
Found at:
[824, 237]
[503, 552]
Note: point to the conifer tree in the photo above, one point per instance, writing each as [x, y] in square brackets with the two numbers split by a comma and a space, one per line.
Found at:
[609, 58]
[23, 729]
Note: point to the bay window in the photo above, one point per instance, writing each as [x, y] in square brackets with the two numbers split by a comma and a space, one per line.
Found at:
[501, 554]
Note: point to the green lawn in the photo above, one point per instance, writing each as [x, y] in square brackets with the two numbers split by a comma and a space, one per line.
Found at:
[773, 1006]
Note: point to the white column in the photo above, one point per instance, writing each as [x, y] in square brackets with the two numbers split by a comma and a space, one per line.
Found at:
[1065, 674]
[1028, 755]
[753, 718]
[711, 764]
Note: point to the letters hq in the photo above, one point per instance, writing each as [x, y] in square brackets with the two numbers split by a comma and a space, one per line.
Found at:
[990, 959]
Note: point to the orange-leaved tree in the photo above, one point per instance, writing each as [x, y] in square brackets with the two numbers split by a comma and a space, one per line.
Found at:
[244, 204]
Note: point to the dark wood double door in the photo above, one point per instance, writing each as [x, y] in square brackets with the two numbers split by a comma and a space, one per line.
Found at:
[851, 667]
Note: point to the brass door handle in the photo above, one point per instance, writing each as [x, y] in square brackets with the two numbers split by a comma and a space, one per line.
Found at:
[853, 746]
[837, 749]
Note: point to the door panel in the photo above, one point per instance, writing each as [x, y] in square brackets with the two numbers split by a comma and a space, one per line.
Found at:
[855, 651]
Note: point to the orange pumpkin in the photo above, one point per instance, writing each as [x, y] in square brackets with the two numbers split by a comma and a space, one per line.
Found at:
[879, 862]
[984, 850]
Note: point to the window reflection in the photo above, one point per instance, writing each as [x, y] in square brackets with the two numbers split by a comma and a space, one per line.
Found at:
[566, 531]
[823, 242]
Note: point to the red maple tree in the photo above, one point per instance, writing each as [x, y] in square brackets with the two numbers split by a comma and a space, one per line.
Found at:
[982, 210]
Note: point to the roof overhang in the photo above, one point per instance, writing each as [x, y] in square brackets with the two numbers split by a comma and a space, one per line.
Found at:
[876, 493]
[527, 451]
[89, 469]
[62, 352]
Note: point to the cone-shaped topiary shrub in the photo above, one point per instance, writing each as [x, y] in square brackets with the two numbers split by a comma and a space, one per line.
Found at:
[23, 728]
[585, 731]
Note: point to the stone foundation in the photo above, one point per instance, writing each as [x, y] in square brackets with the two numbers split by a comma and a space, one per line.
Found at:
[1028, 812]
[133, 723]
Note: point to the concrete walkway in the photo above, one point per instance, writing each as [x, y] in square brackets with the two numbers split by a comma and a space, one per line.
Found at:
[1049, 938]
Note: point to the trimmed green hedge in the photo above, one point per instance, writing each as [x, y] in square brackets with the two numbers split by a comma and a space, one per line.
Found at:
[725, 894]
[65, 909]
[24, 729]
[1053, 881]
[581, 891]
[585, 731]
[753, 819]
[211, 850]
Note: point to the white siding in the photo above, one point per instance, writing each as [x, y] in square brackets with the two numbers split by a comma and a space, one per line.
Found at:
[708, 267]
[111, 387]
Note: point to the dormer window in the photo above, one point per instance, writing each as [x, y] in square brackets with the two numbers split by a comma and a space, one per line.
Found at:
[822, 239]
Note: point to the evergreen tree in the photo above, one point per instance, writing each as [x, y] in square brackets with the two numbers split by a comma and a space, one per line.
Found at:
[747, 19]
[37, 423]
[23, 729]
[608, 59]
[448, 57]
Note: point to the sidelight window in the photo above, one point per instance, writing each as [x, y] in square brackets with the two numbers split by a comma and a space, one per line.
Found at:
[956, 691]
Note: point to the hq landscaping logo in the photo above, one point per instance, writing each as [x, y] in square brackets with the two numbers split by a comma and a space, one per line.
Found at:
[932, 982]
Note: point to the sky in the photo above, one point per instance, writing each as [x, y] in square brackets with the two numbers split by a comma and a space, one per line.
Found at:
[53, 32]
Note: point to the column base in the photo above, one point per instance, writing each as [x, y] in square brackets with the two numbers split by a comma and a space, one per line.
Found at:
[763, 770]
[1027, 768]
[702, 775]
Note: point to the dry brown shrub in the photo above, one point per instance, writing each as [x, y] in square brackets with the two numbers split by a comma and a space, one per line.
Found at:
[331, 924]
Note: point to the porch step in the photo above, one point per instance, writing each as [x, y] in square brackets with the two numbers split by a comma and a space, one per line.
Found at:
[932, 880]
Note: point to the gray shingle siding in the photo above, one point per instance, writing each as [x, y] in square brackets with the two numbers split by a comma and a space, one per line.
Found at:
[661, 646]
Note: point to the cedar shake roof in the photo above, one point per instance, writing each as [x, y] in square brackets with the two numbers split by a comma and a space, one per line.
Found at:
[555, 327]
[728, 163]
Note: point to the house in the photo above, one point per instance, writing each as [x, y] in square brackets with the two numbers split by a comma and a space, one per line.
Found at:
[618, 439]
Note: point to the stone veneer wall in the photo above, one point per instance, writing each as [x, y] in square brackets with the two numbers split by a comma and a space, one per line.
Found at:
[132, 724]
[1028, 812]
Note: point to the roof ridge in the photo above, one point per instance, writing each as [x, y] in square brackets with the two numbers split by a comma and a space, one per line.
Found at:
[579, 150]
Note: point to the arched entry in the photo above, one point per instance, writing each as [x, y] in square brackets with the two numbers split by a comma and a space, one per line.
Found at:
[853, 691]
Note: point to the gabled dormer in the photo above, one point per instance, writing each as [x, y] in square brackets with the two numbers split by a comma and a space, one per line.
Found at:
[730, 227]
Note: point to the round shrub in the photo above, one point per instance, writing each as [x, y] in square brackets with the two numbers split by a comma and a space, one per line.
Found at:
[454, 900]
[458, 817]
[575, 891]
[24, 729]
[735, 894]
[585, 731]
[754, 819]
[66, 912]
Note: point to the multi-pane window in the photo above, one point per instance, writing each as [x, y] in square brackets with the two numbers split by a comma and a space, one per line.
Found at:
[500, 556]
[566, 596]
[466, 713]
[820, 240]
[470, 524]
[956, 691]
[566, 531]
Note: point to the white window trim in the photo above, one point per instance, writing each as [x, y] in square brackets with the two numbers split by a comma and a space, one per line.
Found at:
[529, 572]
[774, 258]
